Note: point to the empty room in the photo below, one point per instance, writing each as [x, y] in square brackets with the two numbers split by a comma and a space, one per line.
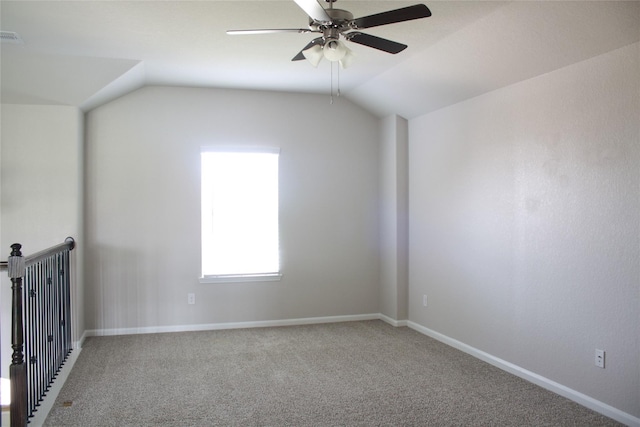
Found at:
[320, 213]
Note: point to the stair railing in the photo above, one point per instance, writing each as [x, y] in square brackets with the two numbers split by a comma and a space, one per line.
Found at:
[40, 324]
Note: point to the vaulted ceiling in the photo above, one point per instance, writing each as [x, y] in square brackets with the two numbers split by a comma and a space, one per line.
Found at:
[84, 53]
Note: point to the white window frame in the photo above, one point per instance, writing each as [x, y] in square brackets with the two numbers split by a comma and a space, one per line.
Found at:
[248, 277]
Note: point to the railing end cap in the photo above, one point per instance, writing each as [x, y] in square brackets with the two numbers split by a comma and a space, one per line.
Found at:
[71, 241]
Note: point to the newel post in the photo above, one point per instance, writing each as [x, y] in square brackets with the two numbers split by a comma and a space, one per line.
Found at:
[18, 370]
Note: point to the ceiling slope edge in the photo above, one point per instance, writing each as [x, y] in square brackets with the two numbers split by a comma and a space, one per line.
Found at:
[519, 41]
[57, 79]
[131, 80]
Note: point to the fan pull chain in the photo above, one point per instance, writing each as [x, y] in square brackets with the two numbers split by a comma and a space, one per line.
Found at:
[331, 88]
[337, 81]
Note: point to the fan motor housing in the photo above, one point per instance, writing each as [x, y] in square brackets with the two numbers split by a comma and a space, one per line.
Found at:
[339, 19]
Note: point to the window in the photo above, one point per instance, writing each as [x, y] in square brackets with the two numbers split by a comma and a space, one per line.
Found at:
[240, 214]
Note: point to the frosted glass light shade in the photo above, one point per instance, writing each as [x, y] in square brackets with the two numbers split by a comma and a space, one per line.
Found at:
[347, 59]
[313, 54]
[334, 50]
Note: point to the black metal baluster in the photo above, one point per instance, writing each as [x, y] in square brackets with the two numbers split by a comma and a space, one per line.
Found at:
[36, 354]
[27, 333]
[48, 310]
[53, 308]
[58, 314]
[43, 331]
[67, 270]
[66, 303]
[31, 334]
[36, 338]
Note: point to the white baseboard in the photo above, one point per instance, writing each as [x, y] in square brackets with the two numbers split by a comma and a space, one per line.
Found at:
[80, 342]
[391, 321]
[546, 383]
[230, 325]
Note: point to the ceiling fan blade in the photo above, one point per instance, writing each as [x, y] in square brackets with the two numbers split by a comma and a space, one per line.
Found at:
[376, 42]
[300, 56]
[392, 16]
[314, 9]
[270, 31]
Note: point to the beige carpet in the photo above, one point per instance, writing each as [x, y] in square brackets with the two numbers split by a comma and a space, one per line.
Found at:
[341, 374]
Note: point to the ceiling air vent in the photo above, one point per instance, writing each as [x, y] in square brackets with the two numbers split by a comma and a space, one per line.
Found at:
[10, 37]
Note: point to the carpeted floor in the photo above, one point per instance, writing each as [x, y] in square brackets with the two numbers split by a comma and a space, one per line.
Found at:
[341, 374]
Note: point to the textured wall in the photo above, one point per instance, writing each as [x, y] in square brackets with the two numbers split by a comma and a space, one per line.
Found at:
[143, 207]
[524, 224]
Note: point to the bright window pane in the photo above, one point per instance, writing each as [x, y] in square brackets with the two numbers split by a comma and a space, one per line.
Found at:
[239, 213]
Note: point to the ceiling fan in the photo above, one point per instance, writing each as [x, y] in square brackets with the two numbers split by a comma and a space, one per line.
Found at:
[336, 23]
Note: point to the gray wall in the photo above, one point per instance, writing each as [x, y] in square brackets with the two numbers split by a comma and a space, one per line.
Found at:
[143, 207]
[41, 195]
[393, 178]
[524, 225]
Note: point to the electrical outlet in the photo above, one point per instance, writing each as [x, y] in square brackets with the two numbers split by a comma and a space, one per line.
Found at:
[424, 300]
[600, 358]
[191, 298]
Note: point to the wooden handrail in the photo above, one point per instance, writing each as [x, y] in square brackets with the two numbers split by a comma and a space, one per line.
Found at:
[69, 243]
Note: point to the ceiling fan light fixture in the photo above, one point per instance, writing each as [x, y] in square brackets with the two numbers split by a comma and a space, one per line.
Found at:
[313, 54]
[334, 50]
[336, 24]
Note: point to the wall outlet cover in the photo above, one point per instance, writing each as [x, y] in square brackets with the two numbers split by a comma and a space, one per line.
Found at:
[600, 358]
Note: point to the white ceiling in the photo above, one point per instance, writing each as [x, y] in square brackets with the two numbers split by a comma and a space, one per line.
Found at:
[84, 53]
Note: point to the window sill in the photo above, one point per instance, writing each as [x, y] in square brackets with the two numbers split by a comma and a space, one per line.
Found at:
[235, 278]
